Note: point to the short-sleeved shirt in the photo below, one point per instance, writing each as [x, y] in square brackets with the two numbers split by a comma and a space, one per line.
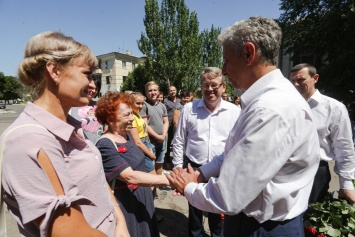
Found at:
[140, 125]
[179, 107]
[136, 203]
[170, 107]
[154, 112]
[28, 192]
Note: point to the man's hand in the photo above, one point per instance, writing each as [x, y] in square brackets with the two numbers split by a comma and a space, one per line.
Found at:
[199, 175]
[179, 178]
[348, 195]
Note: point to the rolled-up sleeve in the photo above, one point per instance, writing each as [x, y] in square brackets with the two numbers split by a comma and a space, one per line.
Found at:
[180, 138]
[343, 146]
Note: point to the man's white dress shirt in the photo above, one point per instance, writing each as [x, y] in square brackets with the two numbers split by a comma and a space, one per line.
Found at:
[270, 159]
[335, 136]
[201, 134]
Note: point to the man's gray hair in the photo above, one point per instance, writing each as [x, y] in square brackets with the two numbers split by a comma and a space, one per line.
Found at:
[263, 32]
[212, 72]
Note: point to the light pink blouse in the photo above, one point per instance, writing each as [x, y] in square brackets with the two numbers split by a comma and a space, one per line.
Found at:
[28, 192]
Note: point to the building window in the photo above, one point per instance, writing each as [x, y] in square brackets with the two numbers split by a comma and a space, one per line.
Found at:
[107, 64]
[124, 79]
[123, 64]
[108, 81]
[133, 65]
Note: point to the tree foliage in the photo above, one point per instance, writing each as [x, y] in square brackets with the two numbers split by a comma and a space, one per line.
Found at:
[136, 80]
[175, 50]
[322, 32]
[10, 88]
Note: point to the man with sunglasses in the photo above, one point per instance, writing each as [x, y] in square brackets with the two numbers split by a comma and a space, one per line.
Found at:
[200, 136]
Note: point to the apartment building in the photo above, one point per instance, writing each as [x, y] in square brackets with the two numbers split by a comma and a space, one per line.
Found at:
[113, 69]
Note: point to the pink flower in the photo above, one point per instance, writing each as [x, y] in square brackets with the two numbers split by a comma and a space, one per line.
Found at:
[122, 149]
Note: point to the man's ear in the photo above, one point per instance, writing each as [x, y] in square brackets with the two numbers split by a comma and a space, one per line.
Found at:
[315, 78]
[224, 87]
[249, 52]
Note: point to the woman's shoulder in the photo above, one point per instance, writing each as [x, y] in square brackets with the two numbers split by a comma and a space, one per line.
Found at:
[105, 141]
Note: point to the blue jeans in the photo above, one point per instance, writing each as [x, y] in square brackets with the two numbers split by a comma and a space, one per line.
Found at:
[159, 151]
[149, 163]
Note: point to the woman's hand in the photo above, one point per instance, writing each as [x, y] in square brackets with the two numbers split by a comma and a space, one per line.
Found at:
[121, 230]
[152, 155]
[160, 138]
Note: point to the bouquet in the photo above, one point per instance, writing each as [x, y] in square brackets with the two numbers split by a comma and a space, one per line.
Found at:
[332, 217]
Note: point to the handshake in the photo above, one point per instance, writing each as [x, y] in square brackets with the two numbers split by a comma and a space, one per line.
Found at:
[179, 178]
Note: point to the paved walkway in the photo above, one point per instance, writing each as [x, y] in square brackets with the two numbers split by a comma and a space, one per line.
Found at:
[174, 210]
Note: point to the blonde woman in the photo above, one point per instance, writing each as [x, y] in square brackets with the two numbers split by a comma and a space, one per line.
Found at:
[52, 179]
[139, 132]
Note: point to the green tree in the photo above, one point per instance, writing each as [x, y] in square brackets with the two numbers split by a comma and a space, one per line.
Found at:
[321, 32]
[175, 50]
[10, 88]
[212, 52]
[136, 80]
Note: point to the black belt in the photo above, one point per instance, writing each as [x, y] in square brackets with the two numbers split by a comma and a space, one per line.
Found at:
[188, 161]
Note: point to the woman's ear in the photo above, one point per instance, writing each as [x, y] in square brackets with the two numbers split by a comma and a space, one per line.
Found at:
[53, 71]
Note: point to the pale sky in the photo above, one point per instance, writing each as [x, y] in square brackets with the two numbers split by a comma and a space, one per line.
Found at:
[105, 25]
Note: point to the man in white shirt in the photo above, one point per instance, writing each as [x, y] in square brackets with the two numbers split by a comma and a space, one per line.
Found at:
[200, 136]
[334, 132]
[263, 181]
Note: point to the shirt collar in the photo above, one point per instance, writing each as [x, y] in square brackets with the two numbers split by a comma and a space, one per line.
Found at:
[221, 106]
[177, 99]
[53, 124]
[317, 96]
[258, 88]
[152, 103]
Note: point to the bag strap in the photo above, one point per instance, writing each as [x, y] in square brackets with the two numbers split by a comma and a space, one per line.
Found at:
[3, 227]
[114, 143]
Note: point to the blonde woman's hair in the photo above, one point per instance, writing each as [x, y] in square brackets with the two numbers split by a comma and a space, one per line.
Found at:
[134, 95]
[50, 46]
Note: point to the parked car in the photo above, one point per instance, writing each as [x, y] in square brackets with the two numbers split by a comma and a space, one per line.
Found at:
[2, 104]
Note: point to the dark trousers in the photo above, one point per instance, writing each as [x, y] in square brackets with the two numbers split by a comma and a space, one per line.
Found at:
[243, 226]
[168, 145]
[195, 224]
[321, 183]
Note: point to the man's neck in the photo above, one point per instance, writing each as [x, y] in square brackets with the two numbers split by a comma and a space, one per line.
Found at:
[151, 101]
[172, 98]
[309, 94]
[213, 106]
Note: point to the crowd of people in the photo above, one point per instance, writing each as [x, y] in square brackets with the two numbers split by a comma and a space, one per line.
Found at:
[253, 164]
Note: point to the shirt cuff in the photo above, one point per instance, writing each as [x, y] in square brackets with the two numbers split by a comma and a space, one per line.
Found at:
[346, 183]
[189, 189]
